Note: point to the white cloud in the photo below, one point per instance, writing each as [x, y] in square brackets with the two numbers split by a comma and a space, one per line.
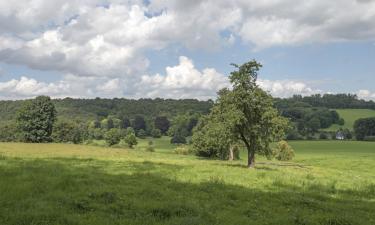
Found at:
[179, 81]
[366, 94]
[109, 37]
[287, 88]
[183, 81]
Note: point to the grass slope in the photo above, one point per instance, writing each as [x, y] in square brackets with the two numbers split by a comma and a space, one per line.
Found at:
[328, 183]
[350, 116]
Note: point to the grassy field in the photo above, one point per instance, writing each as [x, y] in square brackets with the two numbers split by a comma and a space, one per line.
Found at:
[350, 116]
[328, 183]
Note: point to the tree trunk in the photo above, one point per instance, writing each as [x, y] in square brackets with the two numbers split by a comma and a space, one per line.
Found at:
[231, 155]
[251, 159]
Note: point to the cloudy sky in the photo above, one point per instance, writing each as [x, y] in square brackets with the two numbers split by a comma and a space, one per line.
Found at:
[183, 48]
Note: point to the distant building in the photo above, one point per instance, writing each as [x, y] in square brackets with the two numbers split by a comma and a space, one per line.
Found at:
[340, 135]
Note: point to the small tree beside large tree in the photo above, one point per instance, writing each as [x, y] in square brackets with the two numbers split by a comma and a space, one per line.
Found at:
[35, 120]
[244, 113]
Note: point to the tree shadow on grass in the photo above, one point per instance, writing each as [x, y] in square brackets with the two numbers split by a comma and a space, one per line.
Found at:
[73, 191]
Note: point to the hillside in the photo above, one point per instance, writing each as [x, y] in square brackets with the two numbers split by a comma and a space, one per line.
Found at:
[88, 109]
[350, 116]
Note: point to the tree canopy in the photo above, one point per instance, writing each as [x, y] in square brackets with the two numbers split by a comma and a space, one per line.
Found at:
[35, 119]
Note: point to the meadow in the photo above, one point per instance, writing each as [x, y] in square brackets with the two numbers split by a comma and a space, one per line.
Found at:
[328, 183]
[350, 116]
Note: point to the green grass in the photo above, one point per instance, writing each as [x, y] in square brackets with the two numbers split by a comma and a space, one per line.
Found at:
[328, 183]
[350, 116]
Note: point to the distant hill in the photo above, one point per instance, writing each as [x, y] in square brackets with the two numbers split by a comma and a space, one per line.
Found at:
[350, 116]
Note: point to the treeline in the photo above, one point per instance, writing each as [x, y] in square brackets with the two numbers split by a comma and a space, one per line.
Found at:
[36, 121]
[332, 101]
[98, 108]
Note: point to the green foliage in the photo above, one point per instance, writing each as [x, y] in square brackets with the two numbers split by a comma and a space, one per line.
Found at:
[178, 138]
[369, 138]
[131, 139]
[142, 133]
[182, 150]
[112, 136]
[213, 136]
[150, 146]
[65, 131]
[35, 119]
[156, 133]
[162, 123]
[323, 136]
[283, 151]
[9, 132]
[364, 127]
[247, 112]
[139, 123]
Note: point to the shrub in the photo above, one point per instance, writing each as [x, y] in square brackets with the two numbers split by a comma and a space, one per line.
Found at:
[182, 150]
[156, 133]
[178, 139]
[150, 147]
[283, 151]
[113, 136]
[323, 136]
[369, 138]
[142, 133]
[131, 139]
[68, 132]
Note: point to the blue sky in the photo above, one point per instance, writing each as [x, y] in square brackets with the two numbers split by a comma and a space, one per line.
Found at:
[183, 49]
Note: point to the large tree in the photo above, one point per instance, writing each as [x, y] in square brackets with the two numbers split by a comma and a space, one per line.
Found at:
[247, 112]
[35, 119]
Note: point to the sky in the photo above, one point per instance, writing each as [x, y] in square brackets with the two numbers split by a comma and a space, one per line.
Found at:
[184, 48]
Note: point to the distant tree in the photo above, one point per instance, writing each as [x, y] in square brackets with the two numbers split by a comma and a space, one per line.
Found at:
[125, 123]
[249, 113]
[112, 136]
[139, 123]
[131, 139]
[36, 118]
[96, 124]
[178, 138]
[142, 133]
[314, 124]
[162, 123]
[107, 123]
[65, 131]
[156, 133]
[364, 127]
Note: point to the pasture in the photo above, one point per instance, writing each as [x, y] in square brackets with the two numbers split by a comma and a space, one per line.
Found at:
[328, 183]
[350, 116]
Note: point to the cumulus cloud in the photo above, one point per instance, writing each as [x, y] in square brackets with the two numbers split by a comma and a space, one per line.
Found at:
[109, 37]
[183, 81]
[287, 88]
[104, 42]
[366, 94]
[180, 81]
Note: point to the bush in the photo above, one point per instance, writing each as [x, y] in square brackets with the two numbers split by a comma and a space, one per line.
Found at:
[131, 139]
[369, 138]
[323, 136]
[67, 132]
[150, 147]
[182, 150]
[283, 151]
[156, 133]
[178, 139]
[113, 136]
[142, 133]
